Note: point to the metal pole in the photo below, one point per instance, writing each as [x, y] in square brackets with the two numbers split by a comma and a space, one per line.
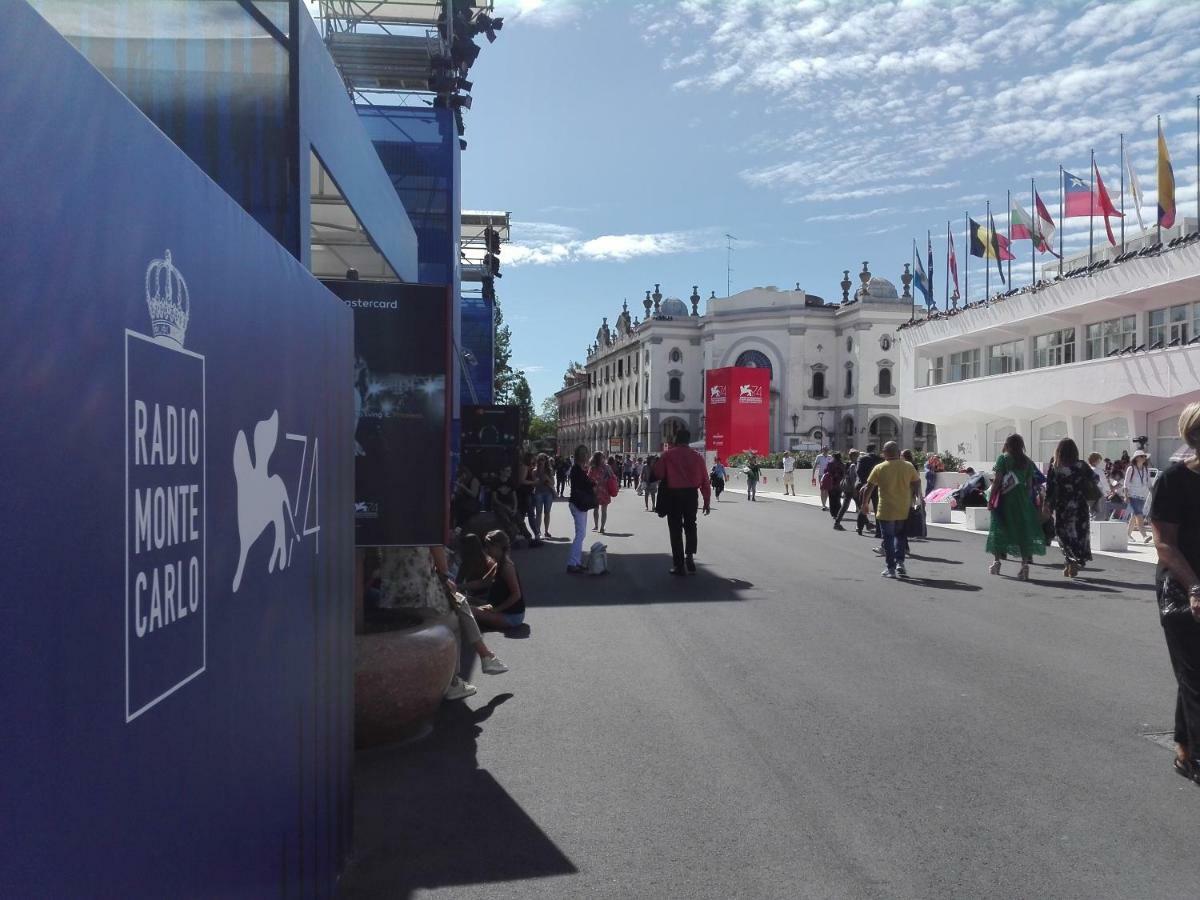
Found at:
[1091, 205]
[987, 267]
[1010, 253]
[1060, 220]
[913, 311]
[1157, 213]
[946, 306]
[1122, 192]
[1198, 159]
[967, 261]
[1037, 220]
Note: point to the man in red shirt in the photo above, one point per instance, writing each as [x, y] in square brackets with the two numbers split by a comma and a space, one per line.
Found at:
[681, 472]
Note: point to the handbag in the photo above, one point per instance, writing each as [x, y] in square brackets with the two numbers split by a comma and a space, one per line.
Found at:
[661, 504]
[1173, 599]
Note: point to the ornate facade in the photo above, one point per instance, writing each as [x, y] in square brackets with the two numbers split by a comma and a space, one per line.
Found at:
[832, 367]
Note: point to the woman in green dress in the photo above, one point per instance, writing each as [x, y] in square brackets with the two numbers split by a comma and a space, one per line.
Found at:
[1016, 524]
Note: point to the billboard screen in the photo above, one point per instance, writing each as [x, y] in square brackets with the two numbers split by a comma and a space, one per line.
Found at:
[401, 363]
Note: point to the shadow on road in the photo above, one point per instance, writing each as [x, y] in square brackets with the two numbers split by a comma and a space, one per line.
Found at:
[427, 816]
[941, 584]
[935, 559]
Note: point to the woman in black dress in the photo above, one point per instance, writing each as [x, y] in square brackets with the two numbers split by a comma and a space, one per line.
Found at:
[1068, 485]
[1175, 518]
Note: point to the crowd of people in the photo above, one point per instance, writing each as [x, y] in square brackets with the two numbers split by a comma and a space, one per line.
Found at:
[1032, 506]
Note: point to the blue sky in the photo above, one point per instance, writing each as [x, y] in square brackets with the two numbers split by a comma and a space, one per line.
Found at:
[628, 138]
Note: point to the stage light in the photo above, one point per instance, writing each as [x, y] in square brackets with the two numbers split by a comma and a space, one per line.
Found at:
[352, 274]
[462, 145]
[491, 238]
[464, 85]
[458, 122]
[489, 290]
[461, 101]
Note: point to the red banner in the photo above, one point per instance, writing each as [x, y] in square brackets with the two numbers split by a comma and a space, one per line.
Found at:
[737, 411]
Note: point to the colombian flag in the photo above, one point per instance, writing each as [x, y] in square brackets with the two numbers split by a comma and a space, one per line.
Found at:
[1166, 184]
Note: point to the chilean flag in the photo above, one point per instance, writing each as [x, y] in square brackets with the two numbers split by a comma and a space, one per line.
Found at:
[1082, 201]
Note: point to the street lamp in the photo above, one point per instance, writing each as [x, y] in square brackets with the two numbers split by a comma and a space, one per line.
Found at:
[821, 420]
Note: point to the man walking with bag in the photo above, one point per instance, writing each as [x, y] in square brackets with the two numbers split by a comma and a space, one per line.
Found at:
[681, 472]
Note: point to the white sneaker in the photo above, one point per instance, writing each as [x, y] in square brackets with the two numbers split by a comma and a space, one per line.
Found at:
[493, 666]
[901, 571]
[458, 689]
[887, 573]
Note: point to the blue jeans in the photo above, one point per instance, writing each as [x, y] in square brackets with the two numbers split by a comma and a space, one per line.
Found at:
[893, 542]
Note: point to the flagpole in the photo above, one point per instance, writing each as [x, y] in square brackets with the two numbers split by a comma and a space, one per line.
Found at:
[1122, 192]
[1198, 158]
[1060, 220]
[946, 305]
[930, 302]
[987, 270]
[1010, 253]
[1033, 244]
[913, 311]
[1091, 206]
[1158, 175]
[967, 267]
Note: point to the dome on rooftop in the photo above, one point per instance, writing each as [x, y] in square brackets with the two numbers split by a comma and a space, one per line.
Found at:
[673, 306]
[882, 289]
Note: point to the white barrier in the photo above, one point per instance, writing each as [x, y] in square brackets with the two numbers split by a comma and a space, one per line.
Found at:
[979, 518]
[939, 512]
[1112, 536]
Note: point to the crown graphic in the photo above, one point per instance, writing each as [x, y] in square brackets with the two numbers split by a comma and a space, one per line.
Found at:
[167, 298]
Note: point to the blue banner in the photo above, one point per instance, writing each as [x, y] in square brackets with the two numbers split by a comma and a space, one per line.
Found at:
[176, 649]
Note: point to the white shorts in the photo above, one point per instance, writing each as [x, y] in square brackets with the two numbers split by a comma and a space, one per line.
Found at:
[789, 478]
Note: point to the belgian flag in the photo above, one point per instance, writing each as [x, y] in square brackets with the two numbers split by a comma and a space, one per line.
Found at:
[987, 243]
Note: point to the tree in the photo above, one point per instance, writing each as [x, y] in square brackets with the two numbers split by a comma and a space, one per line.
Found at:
[522, 397]
[545, 424]
[506, 378]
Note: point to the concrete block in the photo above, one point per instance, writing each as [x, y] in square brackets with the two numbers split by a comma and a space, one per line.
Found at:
[1111, 536]
[979, 518]
[939, 512]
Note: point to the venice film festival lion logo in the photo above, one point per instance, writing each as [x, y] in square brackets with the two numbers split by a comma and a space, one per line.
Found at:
[716, 394]
[750, 393]
[263, 499]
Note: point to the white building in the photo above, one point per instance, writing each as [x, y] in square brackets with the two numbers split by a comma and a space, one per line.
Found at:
[1103, 358]
[832, 367]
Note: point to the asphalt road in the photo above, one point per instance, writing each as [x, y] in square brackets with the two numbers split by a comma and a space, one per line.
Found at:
[787, 724]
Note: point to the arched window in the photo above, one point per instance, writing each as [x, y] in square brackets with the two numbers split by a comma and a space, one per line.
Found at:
[885, 381]
[753, 359]
[849, 381]
[675, 390]
[635, 395]
[818, 388]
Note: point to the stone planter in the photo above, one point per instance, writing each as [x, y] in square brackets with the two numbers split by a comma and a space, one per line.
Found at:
[399, 677]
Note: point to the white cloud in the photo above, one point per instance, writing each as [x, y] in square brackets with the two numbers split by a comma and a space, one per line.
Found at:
[548, 13]
[847, 217]
[544, 244]
[886, 97]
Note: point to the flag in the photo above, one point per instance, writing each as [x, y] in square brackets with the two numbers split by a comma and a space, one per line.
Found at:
[1081, 201]
[978, 244]
[922, 279]
[1078, 196]
[1136, 191]
[929, 258]
[1024, 228]
[998, 247]
[1044, 227]
[1020, 223]
[989, 243]
[1105, 204]
[952, 258]
[1166, 184]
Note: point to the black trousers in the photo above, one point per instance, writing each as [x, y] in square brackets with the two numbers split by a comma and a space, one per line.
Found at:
[1183, 643]
[682, 504]
[835, 502]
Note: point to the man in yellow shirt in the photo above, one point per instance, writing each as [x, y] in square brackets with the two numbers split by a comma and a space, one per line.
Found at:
[899, 487]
